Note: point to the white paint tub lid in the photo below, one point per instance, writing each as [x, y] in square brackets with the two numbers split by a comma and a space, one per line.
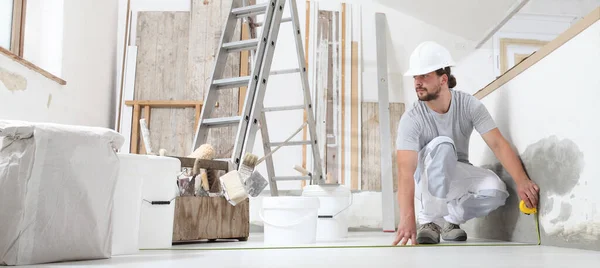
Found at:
[301, 202]
[326, 190]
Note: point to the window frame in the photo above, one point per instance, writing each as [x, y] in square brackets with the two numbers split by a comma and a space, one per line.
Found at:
[18, 27]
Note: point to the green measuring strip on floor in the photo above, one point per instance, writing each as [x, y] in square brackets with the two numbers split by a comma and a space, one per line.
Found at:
[507, 244]
[522, 207]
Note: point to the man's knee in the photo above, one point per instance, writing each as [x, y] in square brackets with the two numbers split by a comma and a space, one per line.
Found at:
[440, 165]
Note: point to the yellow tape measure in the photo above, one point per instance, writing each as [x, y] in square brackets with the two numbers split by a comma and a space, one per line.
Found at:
[525, 209]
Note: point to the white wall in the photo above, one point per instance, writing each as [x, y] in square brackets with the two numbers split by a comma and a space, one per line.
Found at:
[6, 9]
[87, 66]
[43, 40]
[558, 137]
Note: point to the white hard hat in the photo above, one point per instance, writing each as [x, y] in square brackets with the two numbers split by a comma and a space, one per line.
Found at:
[428, 57]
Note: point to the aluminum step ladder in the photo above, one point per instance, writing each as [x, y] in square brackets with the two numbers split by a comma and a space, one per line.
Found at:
[253, 113]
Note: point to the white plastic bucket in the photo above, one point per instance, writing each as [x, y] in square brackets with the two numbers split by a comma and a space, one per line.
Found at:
[159, 176]
[126, 205]
[332, 223]
[289, 220]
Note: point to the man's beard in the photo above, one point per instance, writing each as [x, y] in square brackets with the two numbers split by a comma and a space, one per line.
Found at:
[429, 96]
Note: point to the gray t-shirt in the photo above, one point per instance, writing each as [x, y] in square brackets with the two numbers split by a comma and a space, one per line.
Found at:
[420, 125]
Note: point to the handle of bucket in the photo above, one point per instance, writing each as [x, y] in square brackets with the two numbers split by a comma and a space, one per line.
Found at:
[350, 204]
[260, 214]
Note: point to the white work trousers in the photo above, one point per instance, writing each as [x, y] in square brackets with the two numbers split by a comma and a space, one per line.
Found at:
[451, 190]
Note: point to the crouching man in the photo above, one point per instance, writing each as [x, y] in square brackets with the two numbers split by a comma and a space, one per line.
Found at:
[432, 148]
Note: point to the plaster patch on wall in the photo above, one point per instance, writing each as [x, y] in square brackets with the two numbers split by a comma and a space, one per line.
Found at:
[12, 81]
[557, 162]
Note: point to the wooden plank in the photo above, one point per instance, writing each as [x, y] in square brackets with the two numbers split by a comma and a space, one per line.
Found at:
[165, 103]
[135, 129]
[354, 106]
[199, 217]
[163, 40]
[343, 98]
[125, 58]
[371, 171]
[203, 163]
[32, 66]
[197, 117]
[208, 18]
[304, 116]
[580, 26]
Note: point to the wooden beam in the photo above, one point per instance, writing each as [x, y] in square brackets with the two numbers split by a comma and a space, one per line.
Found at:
[354, 106]
[203, 163]
[122, 86]
[579, 27]
[306, 40]
[32, 66]
[197, 117]
[164, 103]
[135, 129]
[343, 96]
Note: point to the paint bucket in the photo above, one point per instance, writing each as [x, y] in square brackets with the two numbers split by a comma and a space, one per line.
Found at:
[126, 205]
[159, 175]
[334, 200]
[289, 220]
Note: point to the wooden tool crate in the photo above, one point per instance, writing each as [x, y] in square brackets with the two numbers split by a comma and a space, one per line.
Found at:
[204, 217]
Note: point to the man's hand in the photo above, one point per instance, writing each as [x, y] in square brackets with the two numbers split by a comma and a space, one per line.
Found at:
[407, 230]
[528, 192]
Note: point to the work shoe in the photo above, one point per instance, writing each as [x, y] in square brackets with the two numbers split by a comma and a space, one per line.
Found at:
[428, 233]
[452, 232]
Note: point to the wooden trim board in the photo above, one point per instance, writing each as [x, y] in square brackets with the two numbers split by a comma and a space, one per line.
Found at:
[304, 118]
[32, 66]
[354, 106]
[544, 51]
[123, 62]
[343, 98]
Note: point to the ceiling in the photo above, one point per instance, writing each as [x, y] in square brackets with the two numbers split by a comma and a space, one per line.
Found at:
[469, 19]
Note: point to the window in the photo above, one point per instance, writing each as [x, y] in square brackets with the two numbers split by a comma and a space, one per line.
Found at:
[12, 24]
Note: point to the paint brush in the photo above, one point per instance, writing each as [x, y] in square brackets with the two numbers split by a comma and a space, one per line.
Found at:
[247, 181]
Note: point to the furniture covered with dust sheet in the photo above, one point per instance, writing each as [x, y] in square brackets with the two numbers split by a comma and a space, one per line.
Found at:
[56, 192]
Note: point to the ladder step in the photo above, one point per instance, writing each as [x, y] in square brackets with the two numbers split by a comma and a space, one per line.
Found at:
[291, 143]
[232, 82]
[250, 10]
[288, 19]
[292, 178]
[286, 71]
[284, 108]
[222, 121]
[241, 45]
